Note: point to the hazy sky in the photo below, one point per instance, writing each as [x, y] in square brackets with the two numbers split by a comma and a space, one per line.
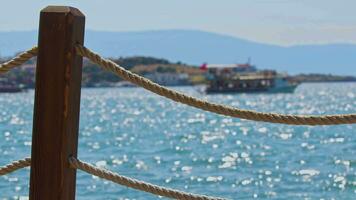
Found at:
[284, 22]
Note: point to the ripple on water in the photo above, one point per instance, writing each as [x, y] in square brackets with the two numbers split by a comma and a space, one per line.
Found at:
[144, 136]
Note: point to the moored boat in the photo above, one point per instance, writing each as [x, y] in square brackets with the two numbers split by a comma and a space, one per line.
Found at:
[9, 87]
[245, 78]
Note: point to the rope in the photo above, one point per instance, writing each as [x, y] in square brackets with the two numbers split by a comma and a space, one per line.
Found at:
[18, 164]
[136, 184]
[18, 60]
[213, 107]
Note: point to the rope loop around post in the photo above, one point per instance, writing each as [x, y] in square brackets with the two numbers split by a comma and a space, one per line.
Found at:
[143, 82]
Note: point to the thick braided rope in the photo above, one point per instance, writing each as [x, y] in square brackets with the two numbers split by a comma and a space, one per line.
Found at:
[136, 184]
[213, 107]
[18, 60]
[18, 164]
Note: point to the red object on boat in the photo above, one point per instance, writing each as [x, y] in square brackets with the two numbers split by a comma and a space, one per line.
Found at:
[204, 66]
[244, 65]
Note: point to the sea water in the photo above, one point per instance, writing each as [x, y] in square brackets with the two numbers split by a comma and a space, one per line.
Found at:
[145, 136]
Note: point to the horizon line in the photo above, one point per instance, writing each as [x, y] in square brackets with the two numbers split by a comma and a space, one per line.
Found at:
[205, 31]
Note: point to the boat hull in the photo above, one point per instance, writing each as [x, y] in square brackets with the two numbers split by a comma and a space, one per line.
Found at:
[10, 90]
[285, 89]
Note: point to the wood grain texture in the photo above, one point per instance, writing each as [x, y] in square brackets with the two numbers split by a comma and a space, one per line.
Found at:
[57, 104]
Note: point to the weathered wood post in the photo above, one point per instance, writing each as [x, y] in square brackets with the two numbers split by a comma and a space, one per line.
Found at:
[57, 102]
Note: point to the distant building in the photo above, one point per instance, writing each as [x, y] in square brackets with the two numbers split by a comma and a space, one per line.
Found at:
[168, 78]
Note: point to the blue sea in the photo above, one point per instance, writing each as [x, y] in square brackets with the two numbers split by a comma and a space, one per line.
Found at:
[145, 136]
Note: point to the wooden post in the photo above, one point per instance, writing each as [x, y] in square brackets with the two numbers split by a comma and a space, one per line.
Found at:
[57, 104]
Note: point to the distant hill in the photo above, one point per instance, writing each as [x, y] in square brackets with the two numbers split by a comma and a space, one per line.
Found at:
[196, 47]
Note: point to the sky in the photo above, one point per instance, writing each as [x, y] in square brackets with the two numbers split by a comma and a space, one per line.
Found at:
[281, 22]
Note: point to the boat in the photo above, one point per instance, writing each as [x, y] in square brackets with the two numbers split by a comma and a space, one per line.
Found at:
[9, 87]
[245, 78]
[124, 84]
